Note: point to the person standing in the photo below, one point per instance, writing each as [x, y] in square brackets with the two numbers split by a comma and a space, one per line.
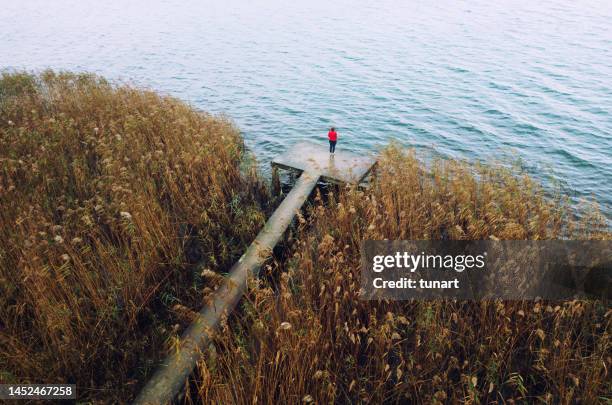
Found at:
[332, 135]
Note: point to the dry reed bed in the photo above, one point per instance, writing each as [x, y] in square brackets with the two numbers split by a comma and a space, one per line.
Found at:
[108, 195]
[312, 340]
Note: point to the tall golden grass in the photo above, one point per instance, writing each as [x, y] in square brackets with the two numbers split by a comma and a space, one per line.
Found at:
[309, 338]
[108, 196]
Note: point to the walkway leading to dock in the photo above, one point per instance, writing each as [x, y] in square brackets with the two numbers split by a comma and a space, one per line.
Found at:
[171, 375]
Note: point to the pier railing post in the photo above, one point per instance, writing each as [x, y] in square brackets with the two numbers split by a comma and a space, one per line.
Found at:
[276, 186]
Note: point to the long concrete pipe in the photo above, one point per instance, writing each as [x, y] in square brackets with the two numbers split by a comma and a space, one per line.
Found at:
[171, 375]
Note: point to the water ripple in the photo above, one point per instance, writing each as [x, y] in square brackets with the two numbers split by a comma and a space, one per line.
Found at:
[485, 80]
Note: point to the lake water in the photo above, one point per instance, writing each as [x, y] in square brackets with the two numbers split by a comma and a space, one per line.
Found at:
[486, 80]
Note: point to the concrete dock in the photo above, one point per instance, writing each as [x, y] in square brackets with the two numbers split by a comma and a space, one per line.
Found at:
[341, 167]
[314, 163]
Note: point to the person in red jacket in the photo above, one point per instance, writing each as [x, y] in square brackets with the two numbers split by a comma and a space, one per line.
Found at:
[332, 135]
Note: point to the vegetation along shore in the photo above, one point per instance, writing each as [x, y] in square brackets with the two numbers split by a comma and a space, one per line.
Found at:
[121, 210]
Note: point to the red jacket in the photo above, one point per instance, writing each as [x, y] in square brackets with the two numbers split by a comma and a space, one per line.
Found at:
[332, 135]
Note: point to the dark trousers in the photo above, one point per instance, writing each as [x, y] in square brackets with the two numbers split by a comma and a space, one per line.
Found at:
[332, 146]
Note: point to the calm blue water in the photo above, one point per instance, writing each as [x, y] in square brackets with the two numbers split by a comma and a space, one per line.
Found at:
[487, 80]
